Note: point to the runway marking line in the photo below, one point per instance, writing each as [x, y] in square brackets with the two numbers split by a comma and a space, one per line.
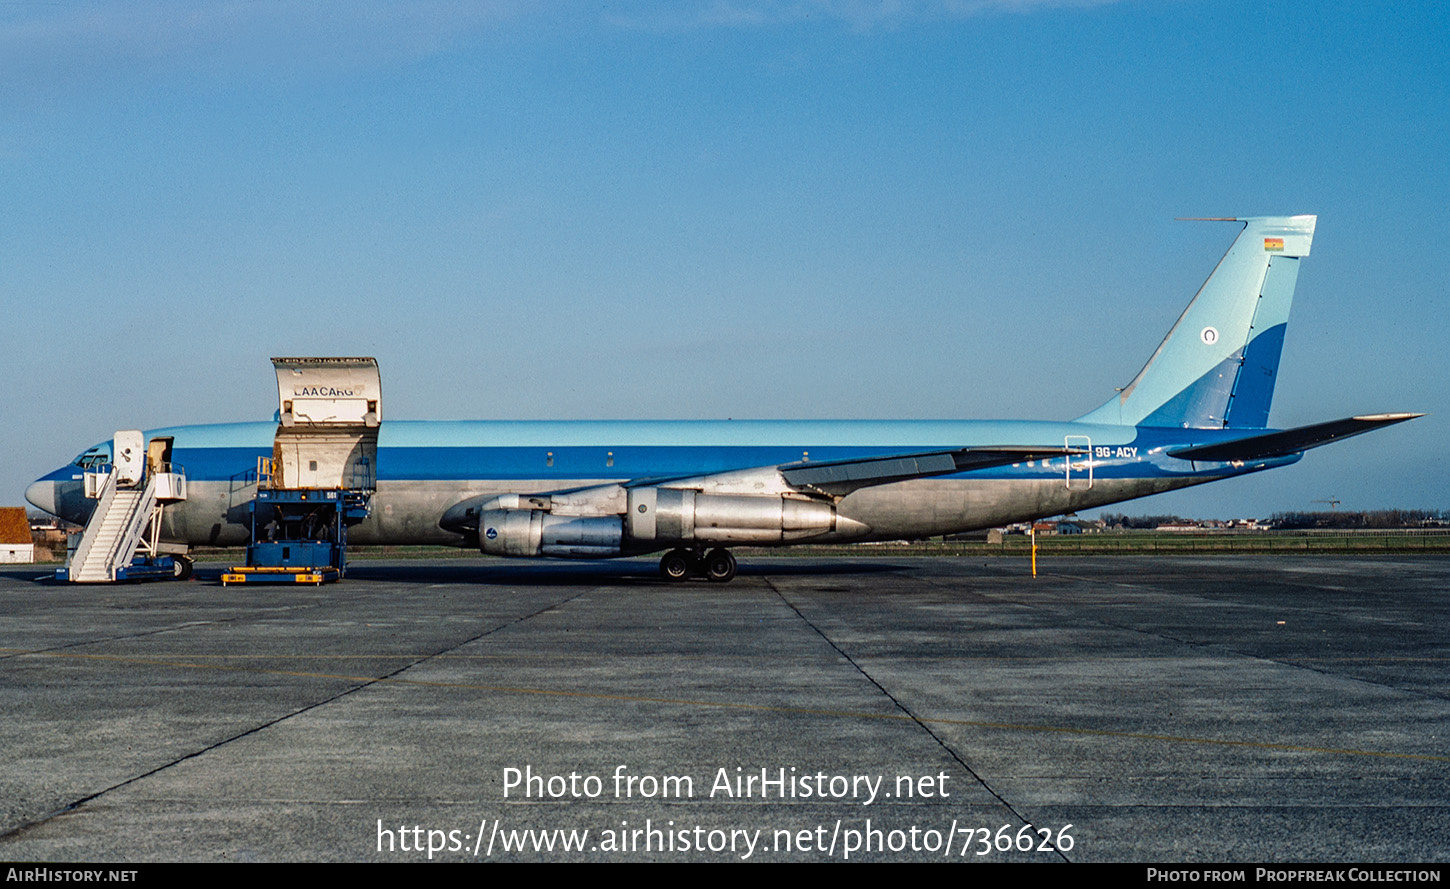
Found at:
[768, 708]
[556, 656]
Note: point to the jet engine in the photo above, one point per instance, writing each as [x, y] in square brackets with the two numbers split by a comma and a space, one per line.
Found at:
[534, 532]
[676, 516]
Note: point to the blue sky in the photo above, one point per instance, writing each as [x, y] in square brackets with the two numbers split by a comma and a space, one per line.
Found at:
[925, 209]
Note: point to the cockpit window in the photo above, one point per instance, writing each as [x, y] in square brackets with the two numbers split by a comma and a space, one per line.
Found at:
[96, 456]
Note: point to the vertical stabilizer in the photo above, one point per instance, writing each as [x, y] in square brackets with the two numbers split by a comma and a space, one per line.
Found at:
[1218, 365]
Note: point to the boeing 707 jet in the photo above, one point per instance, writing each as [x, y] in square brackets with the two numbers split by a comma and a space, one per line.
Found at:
[1197, 412]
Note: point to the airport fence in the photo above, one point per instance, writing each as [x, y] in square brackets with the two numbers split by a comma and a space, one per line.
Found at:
[1410, 540]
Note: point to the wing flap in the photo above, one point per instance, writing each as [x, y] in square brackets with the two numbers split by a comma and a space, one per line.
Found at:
[1288, 441]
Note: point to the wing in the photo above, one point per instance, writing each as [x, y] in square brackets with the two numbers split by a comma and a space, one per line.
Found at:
[840, 477]
[813, 480]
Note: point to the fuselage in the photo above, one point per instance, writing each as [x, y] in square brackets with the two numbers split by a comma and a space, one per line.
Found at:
[425, 467]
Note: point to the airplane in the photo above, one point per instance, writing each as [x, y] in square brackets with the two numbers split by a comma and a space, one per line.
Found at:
[1197, 412]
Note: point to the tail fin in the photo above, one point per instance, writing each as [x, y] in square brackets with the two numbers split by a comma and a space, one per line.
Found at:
[1217, 366]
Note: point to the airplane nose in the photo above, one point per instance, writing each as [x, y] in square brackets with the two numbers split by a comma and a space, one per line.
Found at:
[41, 494]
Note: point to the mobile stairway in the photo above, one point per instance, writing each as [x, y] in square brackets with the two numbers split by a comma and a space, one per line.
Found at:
[122, 538]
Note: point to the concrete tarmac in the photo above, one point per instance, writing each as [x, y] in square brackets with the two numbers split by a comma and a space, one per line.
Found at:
[1211, 709]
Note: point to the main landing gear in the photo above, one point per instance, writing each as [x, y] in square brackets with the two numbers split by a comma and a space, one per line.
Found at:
[718, 565]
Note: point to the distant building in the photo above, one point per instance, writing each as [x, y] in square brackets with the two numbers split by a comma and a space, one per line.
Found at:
[16, 544]
[1051, 528]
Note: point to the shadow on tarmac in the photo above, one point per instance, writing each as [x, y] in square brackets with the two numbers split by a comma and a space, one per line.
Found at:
[632, 573]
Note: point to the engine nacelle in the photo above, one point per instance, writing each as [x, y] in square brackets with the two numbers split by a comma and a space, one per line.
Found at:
[534, 532]
[677, 515]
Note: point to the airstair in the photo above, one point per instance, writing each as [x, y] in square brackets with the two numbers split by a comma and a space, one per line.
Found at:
[122, 538]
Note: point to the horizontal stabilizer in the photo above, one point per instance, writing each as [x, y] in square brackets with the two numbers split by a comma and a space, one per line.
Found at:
[843, 476]
[1288, 441]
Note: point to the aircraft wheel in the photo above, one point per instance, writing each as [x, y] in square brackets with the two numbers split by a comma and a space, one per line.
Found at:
[180, 568]
[720, 566]
[675, 565]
